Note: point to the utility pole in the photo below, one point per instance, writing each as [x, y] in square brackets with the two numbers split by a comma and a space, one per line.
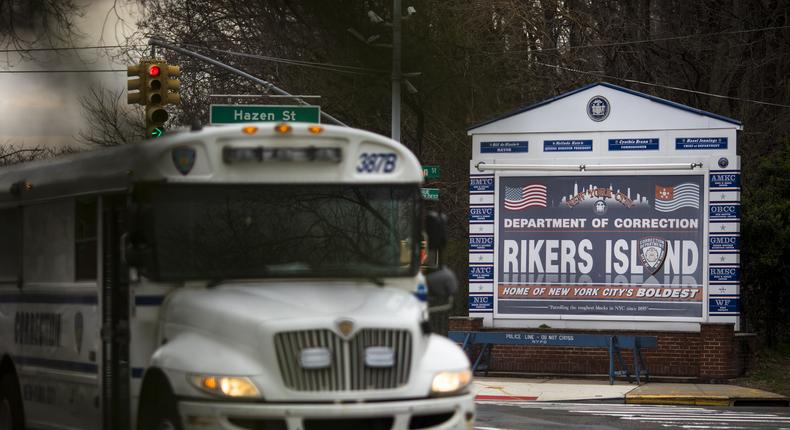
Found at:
[396, 68]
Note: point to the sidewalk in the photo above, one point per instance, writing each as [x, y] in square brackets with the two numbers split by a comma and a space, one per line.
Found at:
[569, 390]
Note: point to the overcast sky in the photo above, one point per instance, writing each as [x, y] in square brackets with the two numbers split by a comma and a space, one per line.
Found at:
[44, 108]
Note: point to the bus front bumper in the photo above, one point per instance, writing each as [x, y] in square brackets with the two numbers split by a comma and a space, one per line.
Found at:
[442, 413]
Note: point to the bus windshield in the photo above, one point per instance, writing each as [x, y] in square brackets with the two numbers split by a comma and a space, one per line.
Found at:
[218, 232]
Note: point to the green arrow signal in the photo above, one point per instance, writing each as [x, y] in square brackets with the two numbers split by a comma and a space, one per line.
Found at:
[156, 132]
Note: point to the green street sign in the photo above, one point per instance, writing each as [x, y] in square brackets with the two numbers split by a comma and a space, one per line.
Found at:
[431, 172]
[233, 114]
[430, 193]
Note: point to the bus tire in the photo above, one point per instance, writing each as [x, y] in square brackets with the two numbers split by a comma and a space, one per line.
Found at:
[12, 417]
[158, 407]
[161, 414]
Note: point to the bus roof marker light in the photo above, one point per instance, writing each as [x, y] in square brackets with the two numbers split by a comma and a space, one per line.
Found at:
[251, 129]
[18, 187]
[315, 129]
[282, 128]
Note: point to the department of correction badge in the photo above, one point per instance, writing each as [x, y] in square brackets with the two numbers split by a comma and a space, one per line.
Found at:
[652, 252]
[183, 159]
[598, 108]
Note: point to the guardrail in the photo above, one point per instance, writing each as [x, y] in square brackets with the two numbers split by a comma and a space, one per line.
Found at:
[614, 343]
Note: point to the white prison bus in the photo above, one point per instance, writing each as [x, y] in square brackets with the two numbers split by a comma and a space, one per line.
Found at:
[236, 277]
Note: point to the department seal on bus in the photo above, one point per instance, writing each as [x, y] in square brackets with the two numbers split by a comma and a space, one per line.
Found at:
[598, 108]
[652, 252]
[183, 159]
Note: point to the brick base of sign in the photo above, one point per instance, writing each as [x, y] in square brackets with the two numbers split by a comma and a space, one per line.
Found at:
[714, 354]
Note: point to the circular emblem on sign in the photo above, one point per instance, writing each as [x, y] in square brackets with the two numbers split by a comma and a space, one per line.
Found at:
[723, 162]
[598, 108]
[600, 207]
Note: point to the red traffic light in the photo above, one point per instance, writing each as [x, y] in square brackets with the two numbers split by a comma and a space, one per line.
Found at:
[154, 71]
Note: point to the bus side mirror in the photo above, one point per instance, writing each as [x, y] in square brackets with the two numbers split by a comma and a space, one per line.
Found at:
[136, 252]
[436, 229]
[136, 249]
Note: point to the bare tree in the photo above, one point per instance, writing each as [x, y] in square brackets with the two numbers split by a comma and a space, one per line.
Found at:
[25, 23]
[11, 153]
[110, 121]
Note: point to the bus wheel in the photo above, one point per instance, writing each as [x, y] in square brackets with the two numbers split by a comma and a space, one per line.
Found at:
[165, 416]
[160, 413]
[11, 415]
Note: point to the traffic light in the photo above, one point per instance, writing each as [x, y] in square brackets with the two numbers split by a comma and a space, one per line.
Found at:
[136, 86]
[153, 86]
[155, 93]
[172, 85]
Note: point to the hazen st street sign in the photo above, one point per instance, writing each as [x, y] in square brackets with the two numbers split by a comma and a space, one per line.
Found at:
[231, 114]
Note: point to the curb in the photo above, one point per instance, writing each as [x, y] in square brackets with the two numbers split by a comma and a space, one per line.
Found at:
[670, 399]
[483, 397]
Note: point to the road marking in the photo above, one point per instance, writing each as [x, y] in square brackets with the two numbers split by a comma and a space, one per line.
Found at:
[667, 415]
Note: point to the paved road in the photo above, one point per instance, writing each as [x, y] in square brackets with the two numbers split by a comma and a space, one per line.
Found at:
[600, 416]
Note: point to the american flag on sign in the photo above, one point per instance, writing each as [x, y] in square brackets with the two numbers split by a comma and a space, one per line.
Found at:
[533, 195]
[672, 198]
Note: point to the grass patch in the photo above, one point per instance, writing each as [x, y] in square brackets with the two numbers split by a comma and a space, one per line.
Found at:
[772, 371]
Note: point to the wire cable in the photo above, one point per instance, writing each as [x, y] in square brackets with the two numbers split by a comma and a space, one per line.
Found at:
[318, 65]
[65, 71]
[73, 48]
[669, 87]
[641, 41]
[310, 64]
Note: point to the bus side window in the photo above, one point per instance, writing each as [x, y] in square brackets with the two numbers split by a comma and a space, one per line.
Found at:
[48, 242]
[9, 245]
[85, 236]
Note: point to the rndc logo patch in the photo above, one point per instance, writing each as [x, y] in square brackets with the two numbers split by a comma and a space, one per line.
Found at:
[481, 243]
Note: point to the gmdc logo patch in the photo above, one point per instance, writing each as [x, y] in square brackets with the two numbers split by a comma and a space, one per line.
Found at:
[598, 108]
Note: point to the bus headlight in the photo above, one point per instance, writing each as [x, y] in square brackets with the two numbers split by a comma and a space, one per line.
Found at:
[451, 382]
[227, 386]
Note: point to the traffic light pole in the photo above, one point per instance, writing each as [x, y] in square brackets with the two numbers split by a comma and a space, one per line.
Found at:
[268, 85]
[396, 68]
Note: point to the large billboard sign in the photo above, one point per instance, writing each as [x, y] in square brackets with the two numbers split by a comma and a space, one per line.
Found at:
[601, 246]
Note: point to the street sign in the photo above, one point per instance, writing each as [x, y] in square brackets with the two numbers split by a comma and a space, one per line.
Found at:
[232, 114]
[430, 193]
[431, 172]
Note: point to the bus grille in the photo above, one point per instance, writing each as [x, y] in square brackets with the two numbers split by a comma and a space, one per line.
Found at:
[347, 370]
